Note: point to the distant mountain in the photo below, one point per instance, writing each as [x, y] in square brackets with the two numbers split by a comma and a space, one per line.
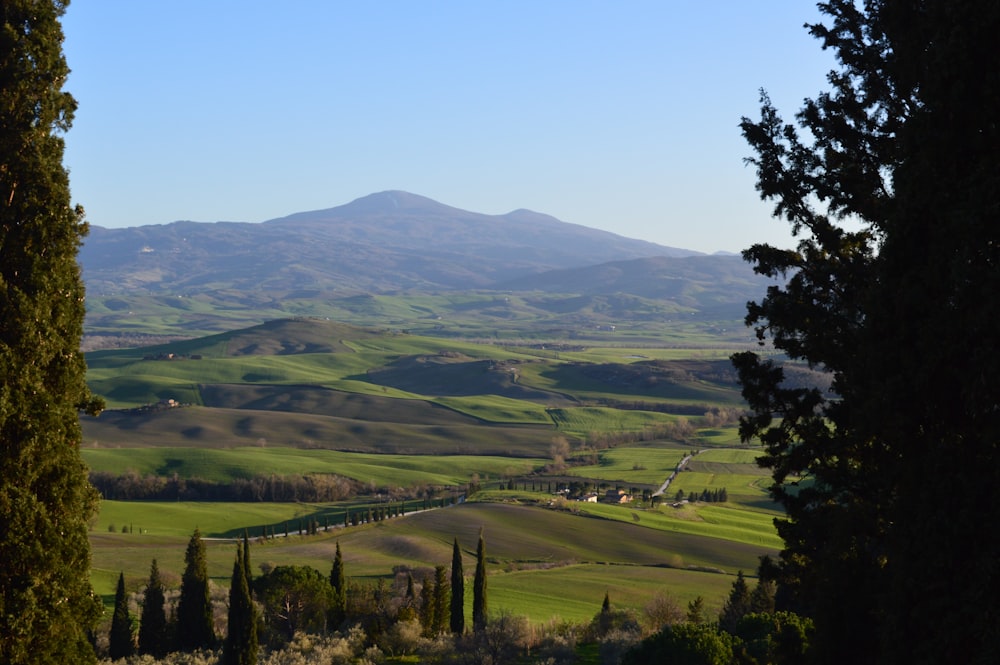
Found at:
[379, 243]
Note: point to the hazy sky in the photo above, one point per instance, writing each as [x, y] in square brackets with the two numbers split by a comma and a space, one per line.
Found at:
[620, 115]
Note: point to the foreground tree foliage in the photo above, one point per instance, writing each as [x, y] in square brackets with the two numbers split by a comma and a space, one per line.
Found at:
[899, 304]
[47, 605]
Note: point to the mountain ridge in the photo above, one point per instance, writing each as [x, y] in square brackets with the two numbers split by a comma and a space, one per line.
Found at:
[384, 241]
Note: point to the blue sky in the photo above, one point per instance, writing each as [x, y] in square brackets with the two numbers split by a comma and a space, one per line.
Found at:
[616, 115]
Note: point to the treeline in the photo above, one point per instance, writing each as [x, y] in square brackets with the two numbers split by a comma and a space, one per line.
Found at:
[308, 488]
[718, 495]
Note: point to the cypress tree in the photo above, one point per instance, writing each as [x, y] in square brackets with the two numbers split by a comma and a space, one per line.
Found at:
[240, 647]
[153, 620]
[410, 594]
[47, 605]
[457, 591]
[440, 595]
[339, 584]
[479, 603]
[120, 644]
[194, 609]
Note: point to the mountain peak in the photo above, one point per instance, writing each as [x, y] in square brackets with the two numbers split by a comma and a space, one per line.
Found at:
[392, 199]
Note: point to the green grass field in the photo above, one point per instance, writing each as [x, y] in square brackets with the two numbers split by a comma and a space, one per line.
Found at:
[648, 464]
[379, 470]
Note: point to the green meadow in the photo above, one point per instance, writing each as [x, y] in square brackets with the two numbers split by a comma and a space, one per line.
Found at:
[381, 470]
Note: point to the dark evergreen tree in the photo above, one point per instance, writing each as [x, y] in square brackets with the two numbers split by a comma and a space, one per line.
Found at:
[240, 647]
[480, 606]
[339, 584]
[762, 598]
[153, 638]
[121, 643]
[47, 606]
[457, 623]
[898, 308]
[737, 605]
[440, 596]
[194, 608]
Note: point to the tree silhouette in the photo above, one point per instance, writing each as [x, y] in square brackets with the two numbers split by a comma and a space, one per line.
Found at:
[120, 642]
[480, 604]
[240, 647]
[153, 619]
[894, 306]
[194, 609]
[457, 623]
[339, 585]
[737, 605]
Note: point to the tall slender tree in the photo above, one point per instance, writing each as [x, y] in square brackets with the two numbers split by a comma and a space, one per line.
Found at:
[153, 619]
[441, 601]
[120, 640]
[480, 606]
[195, 628]
[339, 584]
[457, 624]
[47, 605]
[240, 647]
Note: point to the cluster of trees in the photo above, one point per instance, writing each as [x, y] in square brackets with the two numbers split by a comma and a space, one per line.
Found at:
[274, 607]
[899, 307]
[718, 495]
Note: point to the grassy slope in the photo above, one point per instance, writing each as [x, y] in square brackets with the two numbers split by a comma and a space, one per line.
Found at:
[381, 470]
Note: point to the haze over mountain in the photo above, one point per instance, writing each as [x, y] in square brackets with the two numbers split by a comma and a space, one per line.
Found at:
[382, 242]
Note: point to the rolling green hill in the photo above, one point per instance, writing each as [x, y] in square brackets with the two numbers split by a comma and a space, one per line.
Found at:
[312, 383]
